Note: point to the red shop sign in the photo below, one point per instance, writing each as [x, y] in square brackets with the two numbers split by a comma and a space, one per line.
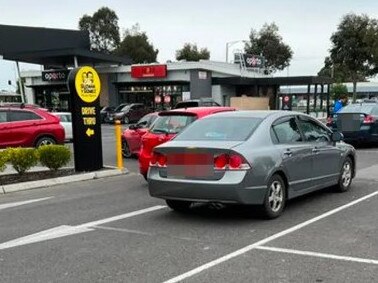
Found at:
[149, 71]
[167, 99]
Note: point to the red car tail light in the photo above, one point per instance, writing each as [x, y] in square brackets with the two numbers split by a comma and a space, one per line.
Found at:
[369, 119]
[221, 161]
[230, 162]
[158, 159]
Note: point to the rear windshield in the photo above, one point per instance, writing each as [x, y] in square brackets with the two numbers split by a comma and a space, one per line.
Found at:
[187, 104]
[357, 108]
[220, 128]
[171, 124]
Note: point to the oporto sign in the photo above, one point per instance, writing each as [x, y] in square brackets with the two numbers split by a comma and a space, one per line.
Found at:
[55, 76]
[254, 61]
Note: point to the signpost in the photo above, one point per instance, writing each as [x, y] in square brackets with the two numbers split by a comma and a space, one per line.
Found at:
[287, 102]
[84, 85]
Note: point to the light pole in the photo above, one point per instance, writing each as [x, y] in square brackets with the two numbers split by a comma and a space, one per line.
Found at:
[229, 44]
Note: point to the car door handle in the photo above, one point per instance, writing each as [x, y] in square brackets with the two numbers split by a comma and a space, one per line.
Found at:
[315, 150]
[288, 152]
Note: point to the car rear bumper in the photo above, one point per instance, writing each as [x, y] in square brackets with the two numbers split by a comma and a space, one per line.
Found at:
[360, 136]
[229, 189]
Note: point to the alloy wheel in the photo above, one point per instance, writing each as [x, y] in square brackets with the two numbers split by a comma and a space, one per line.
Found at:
[276, 196]
[346, 175]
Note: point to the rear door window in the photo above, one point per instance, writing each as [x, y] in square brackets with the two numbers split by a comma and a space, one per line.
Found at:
[286, 131]
[171, 124]
[3, 117]
[16, 116]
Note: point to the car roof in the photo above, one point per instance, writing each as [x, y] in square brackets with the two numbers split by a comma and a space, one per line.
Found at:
[197, 111]
[254, 113]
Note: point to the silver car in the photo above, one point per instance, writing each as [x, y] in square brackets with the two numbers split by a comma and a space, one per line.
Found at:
[250, 157]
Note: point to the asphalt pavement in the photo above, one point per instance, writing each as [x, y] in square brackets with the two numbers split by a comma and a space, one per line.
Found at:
[111, 230]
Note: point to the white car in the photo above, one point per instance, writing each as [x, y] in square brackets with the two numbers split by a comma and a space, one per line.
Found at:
[66, 122]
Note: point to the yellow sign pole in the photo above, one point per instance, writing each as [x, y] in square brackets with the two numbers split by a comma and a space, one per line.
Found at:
[118, 144]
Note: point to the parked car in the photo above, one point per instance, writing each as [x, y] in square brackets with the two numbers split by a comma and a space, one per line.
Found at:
[105, 111]
[166, 126]
[110, 115]
[267, 159]
[66, 122]
[357, 122]
[28, 126]
[203, 102]
[131, 137]
[131, 113]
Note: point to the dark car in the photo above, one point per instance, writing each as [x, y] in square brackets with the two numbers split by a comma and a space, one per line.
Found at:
[268, 158]
[110, 116]
[203, 102]
[29, 126]
[357, 122]
[131, 113]
[105, 111]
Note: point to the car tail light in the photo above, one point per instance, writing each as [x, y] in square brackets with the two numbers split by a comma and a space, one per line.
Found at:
[369, 119]
[230, 162]
[158, 159]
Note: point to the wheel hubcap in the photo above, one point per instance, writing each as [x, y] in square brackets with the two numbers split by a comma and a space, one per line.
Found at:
[346, 175]
[275, 196]
[45, 142]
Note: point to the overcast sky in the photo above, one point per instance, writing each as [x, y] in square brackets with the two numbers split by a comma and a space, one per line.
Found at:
[305, 25]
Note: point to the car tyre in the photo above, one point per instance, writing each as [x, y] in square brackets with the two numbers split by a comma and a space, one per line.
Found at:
[346, 176]
[179, 205]
[126, 152]
[144, 176]
[275, 198]
[44, 141]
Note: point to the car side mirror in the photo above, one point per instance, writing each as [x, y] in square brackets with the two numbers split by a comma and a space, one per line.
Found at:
[337, 136]
[141, 125]
[133, 127]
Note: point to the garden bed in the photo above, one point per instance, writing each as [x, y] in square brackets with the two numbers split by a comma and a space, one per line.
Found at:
[35, 176]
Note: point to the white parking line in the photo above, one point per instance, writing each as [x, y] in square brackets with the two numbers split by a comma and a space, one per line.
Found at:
[322, 255]
[18, 203]
[266, 240]
[67, 230]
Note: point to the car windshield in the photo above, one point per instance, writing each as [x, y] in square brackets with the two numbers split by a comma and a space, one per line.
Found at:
[357, 108]
[171, 124]
[126, 108]
[220, 128]
[119, 107]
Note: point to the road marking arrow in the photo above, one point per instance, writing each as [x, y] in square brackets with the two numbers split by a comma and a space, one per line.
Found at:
[90, 132]
[67, 230]
[14, 204]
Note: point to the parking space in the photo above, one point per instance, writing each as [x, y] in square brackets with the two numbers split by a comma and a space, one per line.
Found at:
[101, 232]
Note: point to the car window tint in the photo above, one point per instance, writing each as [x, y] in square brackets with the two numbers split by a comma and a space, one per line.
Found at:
[152, 120]
[3, 117]
[220, 129]
[145, 120]
[313, 132]
[23, 116]
[171, 124]
[287, 132]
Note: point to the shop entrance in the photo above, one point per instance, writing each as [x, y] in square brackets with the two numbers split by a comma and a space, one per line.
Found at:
[157, 97]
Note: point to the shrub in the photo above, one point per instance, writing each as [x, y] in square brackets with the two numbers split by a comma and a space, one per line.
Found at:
[54, 156]
[22, 159]
[3, 160]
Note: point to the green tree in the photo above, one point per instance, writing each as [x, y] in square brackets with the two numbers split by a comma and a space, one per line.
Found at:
[103, 29]
[136, 45]
[354, 50]
[190, 52]
[269, 43]
[338, 90]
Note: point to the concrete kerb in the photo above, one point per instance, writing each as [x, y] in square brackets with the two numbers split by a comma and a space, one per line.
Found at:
[110, 172]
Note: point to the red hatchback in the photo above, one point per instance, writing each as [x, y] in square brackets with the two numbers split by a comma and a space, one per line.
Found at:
[167, 126]
[28, 126]
[131, 137]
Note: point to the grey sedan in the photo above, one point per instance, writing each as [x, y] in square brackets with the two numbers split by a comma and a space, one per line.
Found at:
[250, 157]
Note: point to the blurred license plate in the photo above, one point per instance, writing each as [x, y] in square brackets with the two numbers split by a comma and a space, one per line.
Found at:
[349, 122]
[190, 165]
